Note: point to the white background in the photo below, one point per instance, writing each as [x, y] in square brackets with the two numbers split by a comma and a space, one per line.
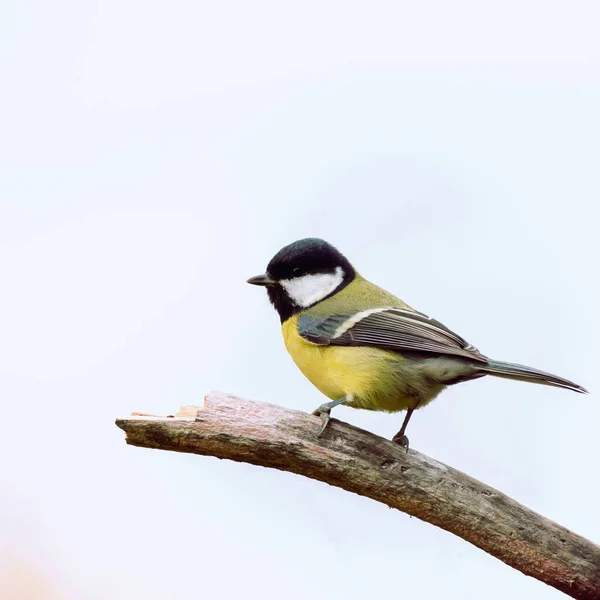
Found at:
[155, 155]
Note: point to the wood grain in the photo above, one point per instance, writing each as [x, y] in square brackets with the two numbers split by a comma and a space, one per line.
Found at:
[363, 463]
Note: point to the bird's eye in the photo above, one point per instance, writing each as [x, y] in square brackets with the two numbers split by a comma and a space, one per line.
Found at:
[296, 271]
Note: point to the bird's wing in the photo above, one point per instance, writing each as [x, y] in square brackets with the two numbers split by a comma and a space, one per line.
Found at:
[387, 328]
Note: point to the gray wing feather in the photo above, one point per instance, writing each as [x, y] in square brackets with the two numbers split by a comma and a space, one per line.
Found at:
[321, 331]
[389, 329]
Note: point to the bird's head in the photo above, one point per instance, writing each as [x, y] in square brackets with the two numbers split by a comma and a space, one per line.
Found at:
[304, 273]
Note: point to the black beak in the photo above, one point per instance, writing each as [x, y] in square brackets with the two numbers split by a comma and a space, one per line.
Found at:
[262, 280]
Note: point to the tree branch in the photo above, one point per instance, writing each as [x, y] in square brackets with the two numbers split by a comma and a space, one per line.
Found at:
[363, 463]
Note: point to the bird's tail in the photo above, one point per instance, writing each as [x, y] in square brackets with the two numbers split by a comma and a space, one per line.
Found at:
[522, 373]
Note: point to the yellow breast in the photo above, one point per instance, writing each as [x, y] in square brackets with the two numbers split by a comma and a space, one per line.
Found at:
[372, 377]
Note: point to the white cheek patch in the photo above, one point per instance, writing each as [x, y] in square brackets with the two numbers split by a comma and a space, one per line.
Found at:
[309, 289]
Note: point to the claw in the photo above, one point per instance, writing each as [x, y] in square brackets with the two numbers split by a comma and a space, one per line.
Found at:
[324, 413]
[401, 440]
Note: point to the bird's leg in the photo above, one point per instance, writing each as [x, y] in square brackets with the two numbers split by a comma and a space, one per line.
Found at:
[400, 437]
[324, 412]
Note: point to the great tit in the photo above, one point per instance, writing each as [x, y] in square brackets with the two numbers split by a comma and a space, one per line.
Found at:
[363, 347]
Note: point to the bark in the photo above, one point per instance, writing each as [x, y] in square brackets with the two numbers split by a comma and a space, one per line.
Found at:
[363, 463]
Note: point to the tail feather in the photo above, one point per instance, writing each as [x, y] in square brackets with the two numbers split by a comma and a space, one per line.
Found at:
[522, 373]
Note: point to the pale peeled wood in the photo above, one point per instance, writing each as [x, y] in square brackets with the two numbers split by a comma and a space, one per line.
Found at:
[361, 462]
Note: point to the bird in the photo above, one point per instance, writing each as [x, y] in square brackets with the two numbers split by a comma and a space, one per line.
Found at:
[363, 347]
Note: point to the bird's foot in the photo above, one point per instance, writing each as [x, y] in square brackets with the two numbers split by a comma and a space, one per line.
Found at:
[402, 440]
[324, 412]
